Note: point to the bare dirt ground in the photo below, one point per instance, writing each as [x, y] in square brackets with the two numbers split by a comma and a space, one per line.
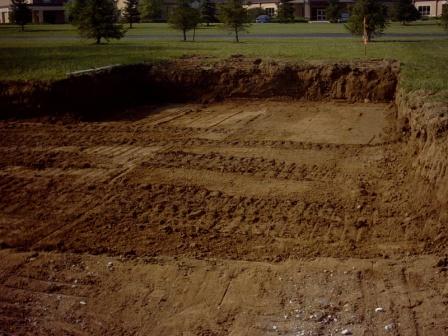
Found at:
[244, 217]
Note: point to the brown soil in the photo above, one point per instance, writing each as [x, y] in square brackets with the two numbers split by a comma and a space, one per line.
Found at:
[104, 93]
[239, 217]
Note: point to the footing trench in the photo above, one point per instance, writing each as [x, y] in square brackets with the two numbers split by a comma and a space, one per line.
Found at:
[262, 199]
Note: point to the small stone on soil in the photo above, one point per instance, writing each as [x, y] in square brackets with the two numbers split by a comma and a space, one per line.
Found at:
[389, 327]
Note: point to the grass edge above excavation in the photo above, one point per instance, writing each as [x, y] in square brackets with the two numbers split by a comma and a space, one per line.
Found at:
[424, 61]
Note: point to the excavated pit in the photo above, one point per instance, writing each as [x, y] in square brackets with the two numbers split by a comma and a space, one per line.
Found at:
[239, 197]
[107, 92]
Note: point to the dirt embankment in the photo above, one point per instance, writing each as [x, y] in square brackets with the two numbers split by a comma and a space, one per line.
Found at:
[424, 121]
[94, 94]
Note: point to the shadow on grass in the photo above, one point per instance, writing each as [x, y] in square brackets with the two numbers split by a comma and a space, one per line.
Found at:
[419, 24]
[18, 29]
[400, 41]
[49, 30]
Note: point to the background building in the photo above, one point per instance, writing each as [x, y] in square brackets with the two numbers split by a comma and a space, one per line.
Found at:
[430, 8]
[314, 10]
[52, 11]
[43, 11]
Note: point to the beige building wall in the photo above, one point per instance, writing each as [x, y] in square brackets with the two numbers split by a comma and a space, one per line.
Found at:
[4, 15]
[4, 11]
[435, 6]
[271, 6]
[120, 4]
[37, 12]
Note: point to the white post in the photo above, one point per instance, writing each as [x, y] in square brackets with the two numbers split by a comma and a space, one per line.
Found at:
[307, 9]
[41, 16]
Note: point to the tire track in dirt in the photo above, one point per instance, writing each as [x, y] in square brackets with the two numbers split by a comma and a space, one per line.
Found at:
[134, 182]
[30, 292]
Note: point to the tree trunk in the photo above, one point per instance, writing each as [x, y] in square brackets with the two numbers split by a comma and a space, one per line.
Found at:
[185, 34]
[23, 27]
[98, 40]
[236, 35]
[130, 24]
[194, 33]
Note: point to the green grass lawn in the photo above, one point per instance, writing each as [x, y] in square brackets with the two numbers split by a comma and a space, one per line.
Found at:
[428, 27]
[424, 60]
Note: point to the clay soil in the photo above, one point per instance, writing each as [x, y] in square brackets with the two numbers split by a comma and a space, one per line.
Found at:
[241, 217]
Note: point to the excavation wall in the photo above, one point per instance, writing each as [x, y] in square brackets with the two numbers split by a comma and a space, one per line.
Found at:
[96, 93]
[424, 121]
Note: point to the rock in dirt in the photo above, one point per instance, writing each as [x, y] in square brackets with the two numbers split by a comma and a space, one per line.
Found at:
[389, 327]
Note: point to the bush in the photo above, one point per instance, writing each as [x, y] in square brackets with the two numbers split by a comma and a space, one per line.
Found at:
[404, 11]
[444, 17]
[20, 13]
[300, 19]
[285, 12]
[184, 17]
[96, 19]
[332, 11]
[234, 17]
[375, 14]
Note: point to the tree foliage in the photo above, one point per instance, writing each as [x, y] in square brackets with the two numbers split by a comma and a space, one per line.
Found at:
[404, 11]
[285, 11]
[184, 17]
[208, 12]
[150, 10]
[20, 13]
[376, 18]
[444, 17]
[96, 19]
[234, 17]
[130, 12]
[332, 11]
[253, 13]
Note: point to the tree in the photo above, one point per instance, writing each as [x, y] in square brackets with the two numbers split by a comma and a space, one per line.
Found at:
[130, 12]
[21, 13]
[404, 11]
[150, 10]
[444, 17]
[208, 12]
[234, 17]
[332, 11]
[285, 11]
[253, 13]
[184, 17]
[96, 19]
[375, 14]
